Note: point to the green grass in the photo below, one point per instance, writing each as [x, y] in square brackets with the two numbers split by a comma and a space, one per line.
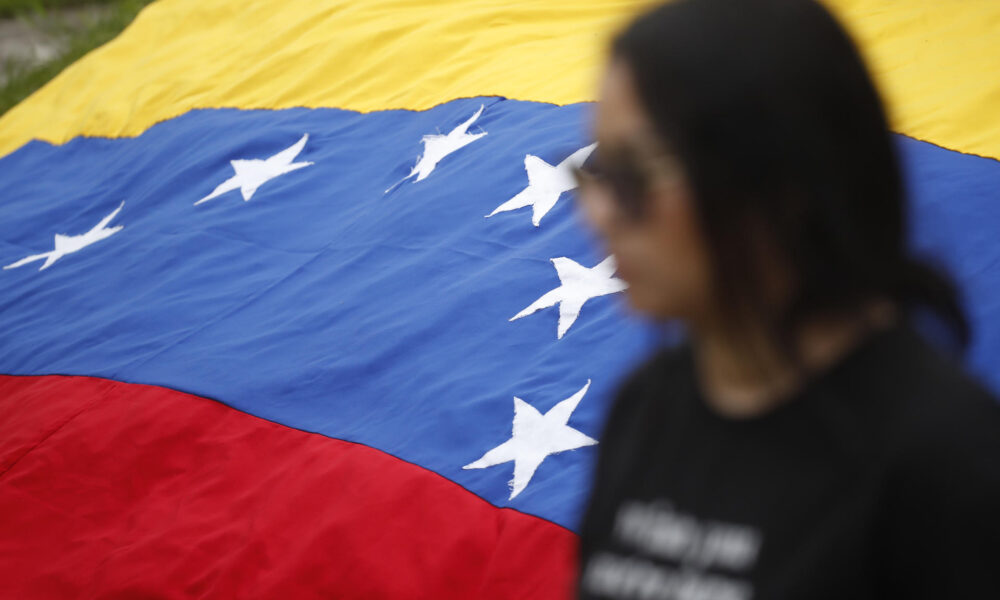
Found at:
[12, 8]
[22, 79]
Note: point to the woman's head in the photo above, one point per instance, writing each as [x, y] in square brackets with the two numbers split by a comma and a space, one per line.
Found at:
[745, 170]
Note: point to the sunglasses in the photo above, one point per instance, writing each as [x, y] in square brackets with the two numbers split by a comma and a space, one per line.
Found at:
[626, 180]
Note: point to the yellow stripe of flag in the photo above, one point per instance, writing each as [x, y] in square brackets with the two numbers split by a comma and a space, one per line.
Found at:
[937, 62]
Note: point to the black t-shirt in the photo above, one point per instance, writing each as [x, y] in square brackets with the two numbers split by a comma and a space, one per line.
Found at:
[880, 478]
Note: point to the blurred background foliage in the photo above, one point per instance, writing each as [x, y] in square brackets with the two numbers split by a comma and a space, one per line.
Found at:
[10, 8]
[39, 38]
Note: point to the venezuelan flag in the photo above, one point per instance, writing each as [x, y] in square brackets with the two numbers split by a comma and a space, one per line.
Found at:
[294, 302]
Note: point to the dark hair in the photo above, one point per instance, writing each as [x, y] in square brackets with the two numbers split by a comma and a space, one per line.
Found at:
[772, 113]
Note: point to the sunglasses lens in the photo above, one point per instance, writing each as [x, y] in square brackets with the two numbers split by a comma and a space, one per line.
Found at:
[624, 180]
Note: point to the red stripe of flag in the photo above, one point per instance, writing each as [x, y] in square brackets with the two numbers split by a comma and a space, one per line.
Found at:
[129, 490]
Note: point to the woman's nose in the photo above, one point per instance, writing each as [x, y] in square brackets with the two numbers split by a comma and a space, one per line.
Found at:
[597, 210]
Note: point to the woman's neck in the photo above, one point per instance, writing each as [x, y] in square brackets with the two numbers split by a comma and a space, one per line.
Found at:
[740, 385]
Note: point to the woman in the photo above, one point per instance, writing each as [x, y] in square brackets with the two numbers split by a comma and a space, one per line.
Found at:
[804, 441]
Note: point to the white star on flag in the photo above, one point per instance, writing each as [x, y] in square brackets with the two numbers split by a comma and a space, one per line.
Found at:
[579, 284]
[534, 437]
[253, 173]
[437, 146]
[545, 184]
[68, 244]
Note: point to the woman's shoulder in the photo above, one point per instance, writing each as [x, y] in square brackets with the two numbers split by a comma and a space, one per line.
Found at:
[650, 386]
[938, 426]
[939, 402]
[666, 368]
[941, 485]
